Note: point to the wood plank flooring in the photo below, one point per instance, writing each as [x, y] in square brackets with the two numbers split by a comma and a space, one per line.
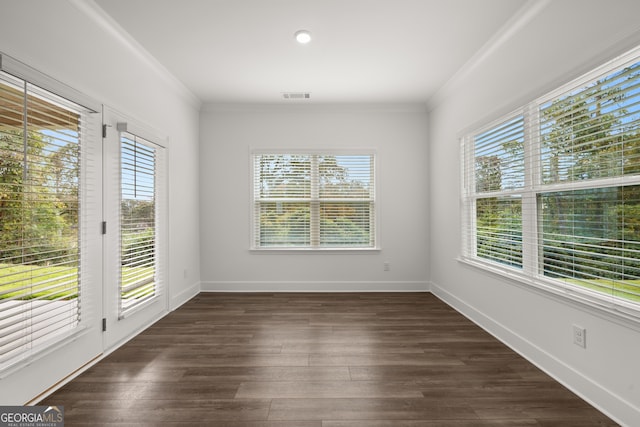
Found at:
[318, 360]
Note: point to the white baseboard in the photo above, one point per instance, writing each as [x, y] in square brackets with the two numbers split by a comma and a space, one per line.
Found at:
[175, 302]
[106, 352]
[184, 296]
[621, 411]
[307, 286]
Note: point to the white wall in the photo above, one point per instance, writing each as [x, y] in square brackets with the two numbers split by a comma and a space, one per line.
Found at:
[69, 42]
[564, 39]
[55, 37]
[397, 133]
[61, 40]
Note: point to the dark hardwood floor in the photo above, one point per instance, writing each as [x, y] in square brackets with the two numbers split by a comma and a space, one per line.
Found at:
[318, 360]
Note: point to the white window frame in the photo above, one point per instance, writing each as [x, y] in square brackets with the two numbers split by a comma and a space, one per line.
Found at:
[90, 110]
[531, 275]
[314, 247]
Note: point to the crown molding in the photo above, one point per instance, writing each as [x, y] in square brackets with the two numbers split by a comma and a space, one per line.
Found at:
[299, 107]
[103, 20]
[518, 21]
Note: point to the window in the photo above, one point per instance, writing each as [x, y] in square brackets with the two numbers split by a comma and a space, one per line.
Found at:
[313, 200]
[42, 150]
[499, 180]
[138, 197]
[552, 192]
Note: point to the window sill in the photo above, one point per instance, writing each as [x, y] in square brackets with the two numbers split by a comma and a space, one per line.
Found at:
[617, 311]
[314, 251]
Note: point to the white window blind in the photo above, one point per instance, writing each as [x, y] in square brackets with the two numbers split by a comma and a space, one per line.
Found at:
[42, 138]
[553, 193]
[499, 157]
[313, 200]
[138, 231]
[499, 175]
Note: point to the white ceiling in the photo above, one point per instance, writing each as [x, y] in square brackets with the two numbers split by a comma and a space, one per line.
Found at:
[243, 51]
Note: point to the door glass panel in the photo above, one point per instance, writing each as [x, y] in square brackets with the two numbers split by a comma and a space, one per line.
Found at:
[138, 275]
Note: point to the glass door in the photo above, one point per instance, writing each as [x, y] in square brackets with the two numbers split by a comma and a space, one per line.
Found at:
[50, 249]
[135, 224]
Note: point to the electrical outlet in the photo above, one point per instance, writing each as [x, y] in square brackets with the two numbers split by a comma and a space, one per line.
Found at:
[387, 266]
[579, 336]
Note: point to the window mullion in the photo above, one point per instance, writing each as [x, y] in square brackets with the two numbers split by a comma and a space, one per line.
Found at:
[315, 202]
[530, 244]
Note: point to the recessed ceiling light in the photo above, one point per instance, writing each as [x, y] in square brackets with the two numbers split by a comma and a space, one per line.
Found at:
[303, 36]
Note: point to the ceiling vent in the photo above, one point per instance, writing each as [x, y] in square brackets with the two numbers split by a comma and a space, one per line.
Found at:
[296, 95]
